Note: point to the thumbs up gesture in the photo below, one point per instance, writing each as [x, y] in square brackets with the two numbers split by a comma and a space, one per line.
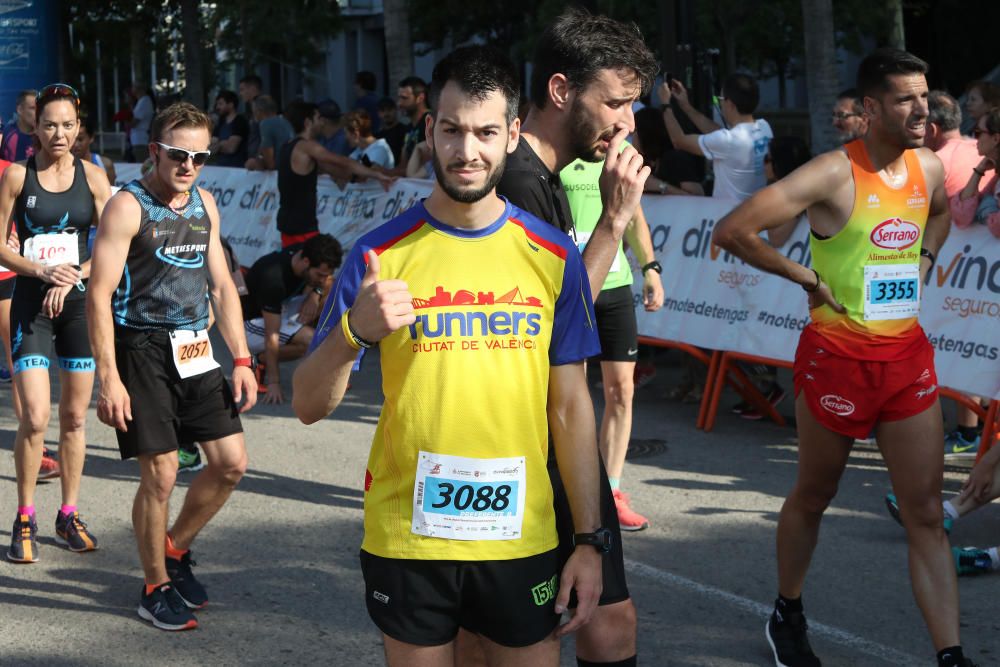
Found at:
[382, 306]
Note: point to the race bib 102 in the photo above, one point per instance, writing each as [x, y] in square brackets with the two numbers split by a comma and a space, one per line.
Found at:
[53, 249]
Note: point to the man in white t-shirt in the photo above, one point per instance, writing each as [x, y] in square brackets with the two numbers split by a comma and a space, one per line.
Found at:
[142, 118]
[737, 152]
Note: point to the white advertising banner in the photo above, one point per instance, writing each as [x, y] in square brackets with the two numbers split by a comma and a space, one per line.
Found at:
[713, 300]
[248, 205]
[716, 301]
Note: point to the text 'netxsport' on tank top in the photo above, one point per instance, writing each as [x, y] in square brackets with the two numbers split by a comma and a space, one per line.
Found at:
[872, 265]
[38, 211]
[165, 281]
[296, 194]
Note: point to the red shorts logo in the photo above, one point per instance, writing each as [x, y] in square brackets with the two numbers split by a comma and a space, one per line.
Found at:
[838, 405]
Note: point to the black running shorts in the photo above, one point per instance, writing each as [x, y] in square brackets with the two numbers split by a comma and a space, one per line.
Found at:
[34, 337]
[424, 602]
[7, 288]
[615, 588]
[616, 325]
[167, 410]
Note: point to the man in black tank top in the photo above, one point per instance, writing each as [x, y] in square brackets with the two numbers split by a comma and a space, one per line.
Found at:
[299, 163]
[157, 252]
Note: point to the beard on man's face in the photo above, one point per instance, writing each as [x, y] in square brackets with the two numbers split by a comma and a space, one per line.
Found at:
[585, 135]
[468, 194]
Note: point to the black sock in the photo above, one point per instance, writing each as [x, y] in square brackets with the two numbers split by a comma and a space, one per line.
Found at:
[784, 604]
[970, 433]
[950, 657]
[627, 662]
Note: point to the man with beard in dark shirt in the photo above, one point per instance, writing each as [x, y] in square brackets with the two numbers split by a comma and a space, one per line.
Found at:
[588, 70]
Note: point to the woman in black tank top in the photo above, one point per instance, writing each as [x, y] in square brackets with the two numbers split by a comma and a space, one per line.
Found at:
[54, 200]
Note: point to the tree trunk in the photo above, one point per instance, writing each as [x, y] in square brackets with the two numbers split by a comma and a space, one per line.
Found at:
[821, 71]
[398, 46]
[194, 56]
[139, 43]
[897, 32]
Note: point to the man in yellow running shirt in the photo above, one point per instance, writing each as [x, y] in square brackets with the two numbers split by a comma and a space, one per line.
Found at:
[879, 214]
[483, 318]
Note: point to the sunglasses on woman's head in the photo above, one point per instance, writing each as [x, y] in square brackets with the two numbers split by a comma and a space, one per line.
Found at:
[198, 158]
[59, 90]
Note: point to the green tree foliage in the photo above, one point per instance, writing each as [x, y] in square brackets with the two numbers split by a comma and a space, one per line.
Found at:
[292, 32]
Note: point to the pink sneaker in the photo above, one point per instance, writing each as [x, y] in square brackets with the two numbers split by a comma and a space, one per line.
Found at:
[627, 518]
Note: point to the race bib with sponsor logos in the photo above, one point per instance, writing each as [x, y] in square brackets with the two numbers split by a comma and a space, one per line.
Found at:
[892, 292]
[192, 351]
[460, 498]
[53, 249]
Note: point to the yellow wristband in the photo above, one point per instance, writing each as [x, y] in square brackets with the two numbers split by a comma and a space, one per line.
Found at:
[348, 336]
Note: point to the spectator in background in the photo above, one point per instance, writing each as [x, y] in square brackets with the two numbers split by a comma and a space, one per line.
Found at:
[958, 154]
[330, 130]
[229, 140]
[299, 163]
[367, 149]
[737, 153]
[975, 203]
[285, 292]
[17, 137]
[249, 89]
[392, 130]
[366, 99]
[274, 130]
[849, 117]
[412, 100]
[960, 157]
[674, 172]
[785, 155]
[980, 97]
[143, 110]
[81, 148]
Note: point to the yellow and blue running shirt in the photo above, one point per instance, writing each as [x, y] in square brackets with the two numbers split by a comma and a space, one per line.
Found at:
[457, 469]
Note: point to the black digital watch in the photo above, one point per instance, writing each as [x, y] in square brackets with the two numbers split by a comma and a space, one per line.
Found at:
[654, 265]
[600, 539]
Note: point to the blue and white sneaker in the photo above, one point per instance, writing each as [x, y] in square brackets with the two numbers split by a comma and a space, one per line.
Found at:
[893, 506]
[957, 448]
[970, 560]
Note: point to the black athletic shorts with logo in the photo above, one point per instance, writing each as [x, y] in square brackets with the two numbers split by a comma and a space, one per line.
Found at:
[34, 336]
[615, 587]
[425, 602]
[616, 325]
[168, 410]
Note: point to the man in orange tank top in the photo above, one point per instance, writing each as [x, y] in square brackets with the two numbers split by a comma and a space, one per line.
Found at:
[879, 214]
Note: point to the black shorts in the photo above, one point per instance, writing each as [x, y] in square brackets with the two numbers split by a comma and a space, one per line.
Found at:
[168, 410]
[424, 602]
[7, 288]
[34, 337]
[615, 587]
[616, 325]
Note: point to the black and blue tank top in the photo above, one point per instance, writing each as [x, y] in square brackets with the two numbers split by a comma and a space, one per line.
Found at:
[38, 211]
[165, 282]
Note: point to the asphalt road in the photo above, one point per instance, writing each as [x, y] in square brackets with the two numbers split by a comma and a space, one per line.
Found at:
[281, 565]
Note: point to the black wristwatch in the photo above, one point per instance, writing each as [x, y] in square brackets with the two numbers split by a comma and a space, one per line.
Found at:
[654, 265]
[600, 539]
